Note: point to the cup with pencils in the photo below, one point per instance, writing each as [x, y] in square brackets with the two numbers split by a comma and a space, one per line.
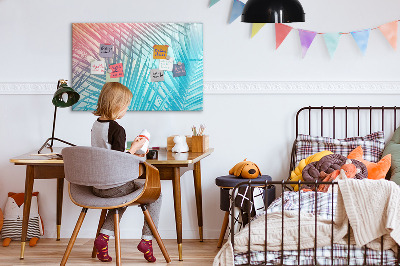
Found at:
[199, 140]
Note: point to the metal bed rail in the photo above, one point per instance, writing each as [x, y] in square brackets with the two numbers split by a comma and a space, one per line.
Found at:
[346, 123]
[265, 185]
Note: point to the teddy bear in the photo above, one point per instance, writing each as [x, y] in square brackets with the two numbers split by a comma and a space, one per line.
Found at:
[13, 215]
[180, 144]
[245, 169]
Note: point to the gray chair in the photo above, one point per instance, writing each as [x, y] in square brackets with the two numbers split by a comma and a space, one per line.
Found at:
[85, 167]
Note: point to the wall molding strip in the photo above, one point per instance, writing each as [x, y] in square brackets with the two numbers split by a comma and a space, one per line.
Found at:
[244, 87]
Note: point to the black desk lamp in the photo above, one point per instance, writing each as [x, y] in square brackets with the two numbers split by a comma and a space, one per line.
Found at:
[273, 11]
[64, 97]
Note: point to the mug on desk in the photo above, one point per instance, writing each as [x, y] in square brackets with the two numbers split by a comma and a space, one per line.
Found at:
[152, 155]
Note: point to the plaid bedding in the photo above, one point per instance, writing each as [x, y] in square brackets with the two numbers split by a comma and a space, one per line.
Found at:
[324, 257]
[372, 145]
[323, 207]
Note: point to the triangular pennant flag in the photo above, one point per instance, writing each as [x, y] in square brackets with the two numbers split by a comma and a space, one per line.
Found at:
[332, 41]
[237, 9]
[256, 28]
[306, 39]
[213, 2]
[390, 32]
[361, 37]
[281, 31]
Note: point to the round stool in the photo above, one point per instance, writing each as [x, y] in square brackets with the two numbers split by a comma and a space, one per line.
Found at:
[226, 183]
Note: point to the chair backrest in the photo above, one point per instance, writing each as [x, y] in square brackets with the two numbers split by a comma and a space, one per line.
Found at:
[92, 166]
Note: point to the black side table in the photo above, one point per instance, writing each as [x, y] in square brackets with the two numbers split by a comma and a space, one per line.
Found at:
[226, 183]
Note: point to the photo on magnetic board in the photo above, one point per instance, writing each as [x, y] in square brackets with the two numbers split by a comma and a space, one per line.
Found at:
[132, 45]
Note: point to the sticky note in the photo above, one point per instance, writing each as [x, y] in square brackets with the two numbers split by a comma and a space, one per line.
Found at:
[116, 71]
[97, 67]
[106, 50]
[166, 64]
[179, 70]
[156, 75]
[110, 79]
[160, 51]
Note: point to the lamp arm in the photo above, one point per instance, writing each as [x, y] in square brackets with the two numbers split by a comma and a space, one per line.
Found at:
[54, 118]
[54, 126]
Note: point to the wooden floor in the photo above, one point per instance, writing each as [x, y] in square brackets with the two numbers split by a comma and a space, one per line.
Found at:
[50, 252]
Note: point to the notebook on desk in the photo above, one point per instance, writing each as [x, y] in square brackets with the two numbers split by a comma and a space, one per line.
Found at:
[52, 155]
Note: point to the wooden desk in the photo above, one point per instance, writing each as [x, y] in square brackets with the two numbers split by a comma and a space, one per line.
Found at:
[168, 164]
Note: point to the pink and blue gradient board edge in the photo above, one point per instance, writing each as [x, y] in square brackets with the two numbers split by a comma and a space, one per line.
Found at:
[133, 47]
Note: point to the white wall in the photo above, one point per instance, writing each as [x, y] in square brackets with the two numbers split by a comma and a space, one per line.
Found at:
[35, 46]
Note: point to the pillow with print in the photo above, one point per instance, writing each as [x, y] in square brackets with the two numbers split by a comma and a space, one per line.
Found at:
[372, 145]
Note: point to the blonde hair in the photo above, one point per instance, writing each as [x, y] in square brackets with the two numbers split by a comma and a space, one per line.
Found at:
[112, 99]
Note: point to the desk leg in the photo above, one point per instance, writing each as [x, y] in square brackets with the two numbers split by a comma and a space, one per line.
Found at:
[176, 182]
[27, 206]
[199, 204]
[60, 190]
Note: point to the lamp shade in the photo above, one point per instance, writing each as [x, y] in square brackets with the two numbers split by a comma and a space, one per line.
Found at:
[273, 11]
[65, 96]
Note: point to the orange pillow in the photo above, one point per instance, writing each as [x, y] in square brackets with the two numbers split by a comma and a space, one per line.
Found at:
[375, 170]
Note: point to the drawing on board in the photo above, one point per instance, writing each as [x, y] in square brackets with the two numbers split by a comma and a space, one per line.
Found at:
[142, 56]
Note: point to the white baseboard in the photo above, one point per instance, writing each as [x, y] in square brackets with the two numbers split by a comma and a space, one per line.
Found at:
[247, 87]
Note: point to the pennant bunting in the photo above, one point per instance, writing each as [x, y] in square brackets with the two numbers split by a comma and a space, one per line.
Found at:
[306, 39]
[213, 2]
[361, 37]
[332, 41]
[281, 31]
[237, 9]
[389, 30]
[256, 27]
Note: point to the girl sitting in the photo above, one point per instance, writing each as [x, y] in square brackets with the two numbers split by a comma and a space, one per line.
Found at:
[106, 133]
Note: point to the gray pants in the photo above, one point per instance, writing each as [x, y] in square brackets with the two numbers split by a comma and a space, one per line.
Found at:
[154, 208]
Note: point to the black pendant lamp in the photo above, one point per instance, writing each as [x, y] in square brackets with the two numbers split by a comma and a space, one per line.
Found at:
[273, 11]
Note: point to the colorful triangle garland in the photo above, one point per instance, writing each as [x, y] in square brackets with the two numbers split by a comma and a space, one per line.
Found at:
[213, 2]
[237, 9]
[332, 41]
[281, 31]
[306, 39]
[389, 30]
[361, 37]
[256, 27]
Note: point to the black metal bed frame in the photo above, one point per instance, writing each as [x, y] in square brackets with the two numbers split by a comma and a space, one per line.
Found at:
[283, 184]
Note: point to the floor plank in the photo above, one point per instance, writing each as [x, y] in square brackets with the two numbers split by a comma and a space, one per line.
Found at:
[50, 252]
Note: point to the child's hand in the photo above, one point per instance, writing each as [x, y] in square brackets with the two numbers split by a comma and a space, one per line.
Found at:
[137, 144]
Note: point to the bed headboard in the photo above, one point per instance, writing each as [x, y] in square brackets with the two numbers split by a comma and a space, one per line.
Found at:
[344, 118]
[344, 121]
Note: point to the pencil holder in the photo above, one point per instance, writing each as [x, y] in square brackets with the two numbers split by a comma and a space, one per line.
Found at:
[200, 143]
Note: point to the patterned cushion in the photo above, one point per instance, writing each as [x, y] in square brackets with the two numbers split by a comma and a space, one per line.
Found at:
[372, 144]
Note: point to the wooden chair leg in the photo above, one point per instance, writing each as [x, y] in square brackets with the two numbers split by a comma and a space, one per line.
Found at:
[154, 230]
[117, 238]
[73, 237]
[101, 222]
[223, 229]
